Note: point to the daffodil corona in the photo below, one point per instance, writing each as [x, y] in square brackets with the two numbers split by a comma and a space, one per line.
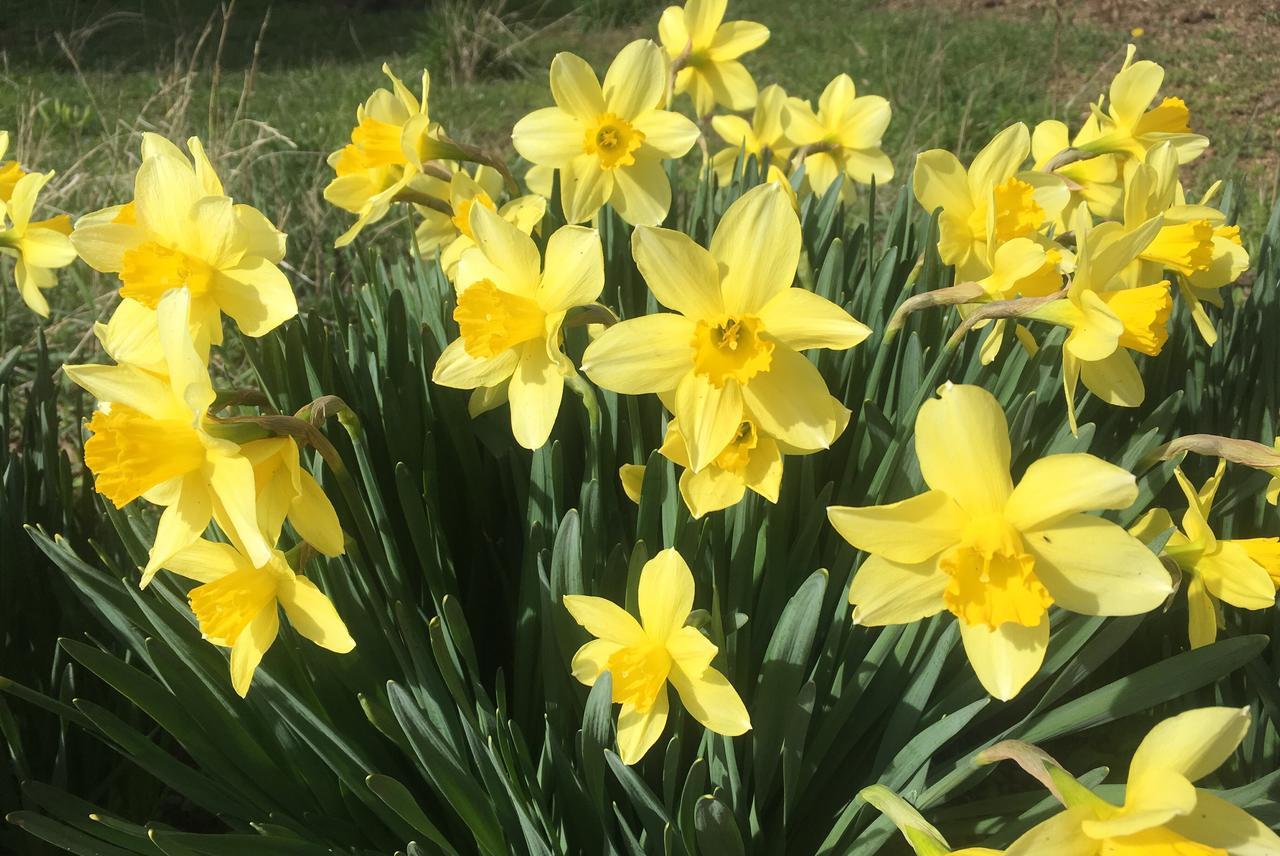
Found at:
[643, 656]
[993, 554]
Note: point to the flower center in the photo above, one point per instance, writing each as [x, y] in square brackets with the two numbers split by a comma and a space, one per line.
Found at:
[130, 453]
[734, 349]
[1185, 247]
[1145, 314]
[492, 320]
[226, 606]
[1159, 841]
[993, 579]
[613, 140]
[1170, 117]
[462, 212]
[1017, 212]
[150, 270]
[638, 674]
[735, 456]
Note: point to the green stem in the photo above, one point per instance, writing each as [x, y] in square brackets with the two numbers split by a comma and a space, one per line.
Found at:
[587, 393]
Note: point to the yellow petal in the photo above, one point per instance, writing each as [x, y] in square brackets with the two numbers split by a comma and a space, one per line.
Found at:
[459, 370]
[632, 478]
[313, 516]
[535, 391]
[181, 524]
[1231, 576]
[575, 87]
[637, 732]
[885, 592]
[730, 84]
[247, 651]
[710, 490]
[863, 123]
[672, 31]
[130, 386]
[804, 320]
[584, 187]
[232, 485]
[257, 295]
[763, 473]
[665, 594]
[962, 441]
[1060, 835]
[313, 615]
[641, 192]
[635, 81]
[1059, 485]
[1217, 823]
[604, 619]
[998, 159]
[641, 355]
[709, 417]
[165, 191]
[712, 700]
[592, 659]
[667, 132]
[757, 245]
[939, 181]
[909, 531]
[1133, 90]
[1115, 379]
[1006, 658]
[1202, 614]
[703, 18]
[734, 38]
[549, 136]
[508, 249]
[102, 245]
[682, 275]
[206, 561]
[1191, 745]
[574, 269]
[790, 402]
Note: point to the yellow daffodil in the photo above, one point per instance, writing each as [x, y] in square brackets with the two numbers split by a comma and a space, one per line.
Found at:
[763, 138]
[609, 142]
[1163, 814]
[750, 460]
[237, 604]
[38, 247]
[990, 203]
[448, 235]
[1131, 126]
[994, 555]
[182, 231]
[1097, 182]
[511, 305]
[10, 170]
[921, 835]
[842, 137]
[632, 478]
[1108, 319]
[643, 656]
[1235, 572]
[150, 438]
[287, 491]
[733, 343]
[705, 49]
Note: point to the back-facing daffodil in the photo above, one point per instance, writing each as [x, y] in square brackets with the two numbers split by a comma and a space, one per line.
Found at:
[608, 142]
[643, 656]
[996, 555]
[705, 50]
[511, 305]
[842, 137]
[38, 247]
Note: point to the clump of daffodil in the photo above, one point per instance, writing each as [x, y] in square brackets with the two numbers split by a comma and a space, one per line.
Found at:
[1107, 318]
[1131, 126]
[732, 346]
[38, 247]
[447, 235]
[237, 604]
[511, 307]
[608, 142]
[1238, 572]
[183, 232]
[921, 835]
[10, 170]
[1164, 813]
[990, 203]
[152, 438]
[643, 656]
[704, 50]
[842, 138]
[993, 554]
[763, 138]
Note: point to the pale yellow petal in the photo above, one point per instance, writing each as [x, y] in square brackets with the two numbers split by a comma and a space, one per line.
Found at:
[734, 38]
[575, 87]
[757, 246]
[313, 516]
[885, 592]
[549, 136]
[1232, 576]
[508, 249]
[257, 295]
[205, 561]
[574, 269]
[1059, 485]
[709, 416]
[584, 187]
[641, 355]
[806, 320]
[459, 370]
[604, 619]
[313, 615]
[1115, 380]
[962, 441]
[711, 699]
[1215, 822]
[711, 490]
[998, 159]
[637, 731]
[592, 659]
[682, 275]
[248, 649]
[635, 81]
[939, 181]
[181, 524]
[665, 595]
[1006, 658]
[535, 391]
[667, 132]
[641, 192]
[908, 531]
[790, 401]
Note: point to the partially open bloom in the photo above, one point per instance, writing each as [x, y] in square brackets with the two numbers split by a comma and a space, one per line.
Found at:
[38, 247]
[763, 138]
[448, 235]
[511, 306]
[237, 604]
[1163, 812]
[752, 461]
[1232, 571]
[990, 203]
[1131, 126]
[643, 656]
[609, 142]
[733, 344]
[923, 837]
[995, 555]
[842, 137]
[182, 231]
[705, 49]
[287, 491]
[151, 438]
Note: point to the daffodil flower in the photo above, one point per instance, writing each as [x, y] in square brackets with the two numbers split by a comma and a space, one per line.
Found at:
[752, 461]
[1107, 319]
[1232, 571]
[995, 555]
[1163, 811]
[182, 231]
[511, 305]
[608, 143]
[1131, 126]
[287, 491]
[643, 656]
[38, 247]
[237, 604]
[921, 835]
[733, 343]
[10, 170]
[763, 138]
[705, 49]
[842, 138]
[449, 235]
[1097, 182]
[150, 438]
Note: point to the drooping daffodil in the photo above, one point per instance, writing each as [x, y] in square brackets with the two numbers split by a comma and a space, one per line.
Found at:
[643, 656]
[922, 836]
[733, 343]
[993, 554]
[705, 49]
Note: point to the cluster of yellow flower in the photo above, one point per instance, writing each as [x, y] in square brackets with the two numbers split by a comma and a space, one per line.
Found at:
[38, 247]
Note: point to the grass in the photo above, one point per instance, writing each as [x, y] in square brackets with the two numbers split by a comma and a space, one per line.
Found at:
[272, 88]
